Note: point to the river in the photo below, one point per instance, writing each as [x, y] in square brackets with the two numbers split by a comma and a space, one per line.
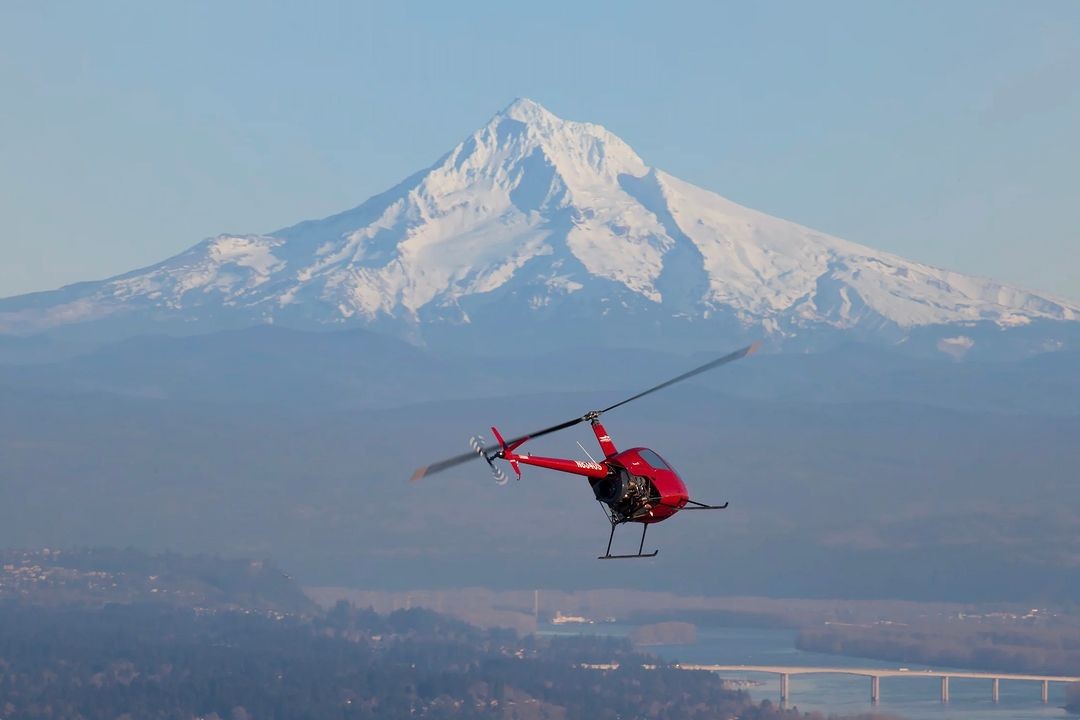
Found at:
[915, 698]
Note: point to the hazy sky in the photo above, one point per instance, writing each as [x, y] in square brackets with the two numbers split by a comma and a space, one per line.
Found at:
[948, 132]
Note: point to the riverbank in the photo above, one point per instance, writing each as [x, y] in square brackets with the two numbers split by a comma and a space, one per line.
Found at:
[1046, 648]
[914, 697]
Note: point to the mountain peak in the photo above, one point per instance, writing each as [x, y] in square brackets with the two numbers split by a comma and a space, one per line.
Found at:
[528, 111]
[535, 218]
[527, 134]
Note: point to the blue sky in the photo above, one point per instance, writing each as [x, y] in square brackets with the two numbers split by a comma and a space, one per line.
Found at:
[946, 132]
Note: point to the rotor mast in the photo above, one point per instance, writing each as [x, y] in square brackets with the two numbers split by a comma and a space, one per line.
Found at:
[602, 436]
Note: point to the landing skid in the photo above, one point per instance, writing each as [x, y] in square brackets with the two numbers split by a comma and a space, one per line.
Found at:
[617, 520]
[641, 546]
[695, 505]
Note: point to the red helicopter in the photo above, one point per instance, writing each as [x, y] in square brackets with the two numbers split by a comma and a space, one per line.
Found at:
[634, 485]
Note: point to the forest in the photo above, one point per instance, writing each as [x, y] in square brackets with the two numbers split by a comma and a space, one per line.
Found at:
[160, 661]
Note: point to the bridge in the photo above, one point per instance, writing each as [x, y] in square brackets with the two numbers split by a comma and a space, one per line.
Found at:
[875, 674]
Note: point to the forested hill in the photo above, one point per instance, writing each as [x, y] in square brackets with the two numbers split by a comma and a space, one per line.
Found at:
[160, 661]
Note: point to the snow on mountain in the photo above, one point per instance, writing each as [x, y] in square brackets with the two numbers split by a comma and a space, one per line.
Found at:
[532, 214]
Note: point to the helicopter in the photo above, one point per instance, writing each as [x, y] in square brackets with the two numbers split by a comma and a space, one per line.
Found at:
[632, 486]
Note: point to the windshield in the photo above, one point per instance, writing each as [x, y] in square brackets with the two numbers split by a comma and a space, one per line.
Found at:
[655, 460]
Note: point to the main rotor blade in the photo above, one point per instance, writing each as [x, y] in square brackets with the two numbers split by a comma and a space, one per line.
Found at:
[546, 431]
[731, 357]
[465, 457]
[443, 465]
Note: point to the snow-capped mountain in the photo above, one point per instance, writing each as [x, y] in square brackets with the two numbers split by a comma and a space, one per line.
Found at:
[535, 221]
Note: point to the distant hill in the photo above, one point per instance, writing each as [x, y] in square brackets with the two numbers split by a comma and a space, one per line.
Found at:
[857, 473]
[99, 577]
[356, 369]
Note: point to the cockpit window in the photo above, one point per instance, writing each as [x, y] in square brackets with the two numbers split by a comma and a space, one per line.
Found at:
[653, 459]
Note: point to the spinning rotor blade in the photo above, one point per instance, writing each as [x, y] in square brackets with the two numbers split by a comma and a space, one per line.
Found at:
[442, 465]
[546, 431]
[731, 357]
[465, 457]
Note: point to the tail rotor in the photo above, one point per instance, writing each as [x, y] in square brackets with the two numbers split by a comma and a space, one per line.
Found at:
[478, 444]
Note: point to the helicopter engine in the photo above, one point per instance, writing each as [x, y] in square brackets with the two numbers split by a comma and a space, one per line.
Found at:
[624, 493]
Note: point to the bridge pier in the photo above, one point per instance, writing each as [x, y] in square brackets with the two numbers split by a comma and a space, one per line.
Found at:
[783, 687]
[944, 688]
[995, 689]
[1045, 691]
[875, 689]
